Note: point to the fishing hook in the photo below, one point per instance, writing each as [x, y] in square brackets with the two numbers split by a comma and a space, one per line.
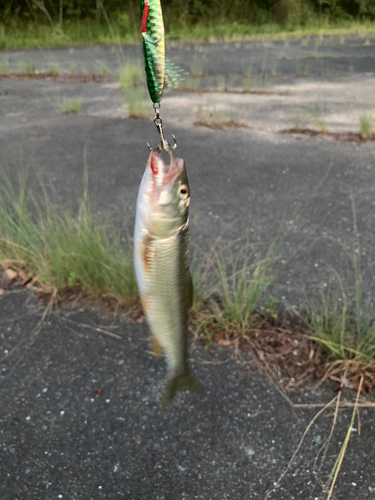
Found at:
[164, 144]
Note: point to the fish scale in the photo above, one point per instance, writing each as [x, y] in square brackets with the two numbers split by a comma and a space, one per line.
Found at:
[168, 298]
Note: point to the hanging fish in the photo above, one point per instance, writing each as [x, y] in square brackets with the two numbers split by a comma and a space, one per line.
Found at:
[159, 70]
[161, 257]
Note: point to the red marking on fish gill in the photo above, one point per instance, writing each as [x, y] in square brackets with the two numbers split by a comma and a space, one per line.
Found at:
[145, 16]
[154, 164]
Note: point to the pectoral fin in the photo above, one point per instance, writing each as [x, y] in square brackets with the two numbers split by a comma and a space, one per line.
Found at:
[146, 252]
[157, 349]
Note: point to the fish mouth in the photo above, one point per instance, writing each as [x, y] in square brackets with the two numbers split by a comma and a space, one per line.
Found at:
[166, 171]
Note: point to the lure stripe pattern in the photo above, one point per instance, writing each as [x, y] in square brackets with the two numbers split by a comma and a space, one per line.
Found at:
[153, 47]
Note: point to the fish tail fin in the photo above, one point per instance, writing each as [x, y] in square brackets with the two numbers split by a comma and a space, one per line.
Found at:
[186, 381]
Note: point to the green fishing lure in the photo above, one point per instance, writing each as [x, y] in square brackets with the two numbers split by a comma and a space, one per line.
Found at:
[159, 70]
[153, 47]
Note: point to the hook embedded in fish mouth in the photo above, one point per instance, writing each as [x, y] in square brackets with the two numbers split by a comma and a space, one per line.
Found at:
[164, 146]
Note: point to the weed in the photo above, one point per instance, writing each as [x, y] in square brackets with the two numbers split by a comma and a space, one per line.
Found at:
[136, 100]
[131, 75]
[305, 41]
[197, 68]
[321, 125]
[61, 249]
[54, 68]
[217, 119]
[202, 265]
[4, 66]
[316, 115]
[73, 69]
[26, 67]
[67, 106]
[221, 83]
[366, 123]
[242, 282]
[102, 69]
[191, 83]
[296, 123]
[248, 83]
[345, 329]
[270, 306]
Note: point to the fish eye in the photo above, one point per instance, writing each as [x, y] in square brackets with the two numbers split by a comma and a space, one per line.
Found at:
[184, 191]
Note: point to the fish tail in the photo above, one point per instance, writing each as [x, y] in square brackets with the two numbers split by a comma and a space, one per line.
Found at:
[186, 381]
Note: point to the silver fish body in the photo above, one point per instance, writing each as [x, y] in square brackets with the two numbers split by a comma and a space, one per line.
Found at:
[161, 258]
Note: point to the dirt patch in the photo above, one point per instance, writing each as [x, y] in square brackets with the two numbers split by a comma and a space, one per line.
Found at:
[225, 91]
[337, 136]
[79, 78]
[283, 348]
[221, 125]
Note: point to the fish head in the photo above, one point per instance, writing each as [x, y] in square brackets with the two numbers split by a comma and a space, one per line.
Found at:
[164, 196]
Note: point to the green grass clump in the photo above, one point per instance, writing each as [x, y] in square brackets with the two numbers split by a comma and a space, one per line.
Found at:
[248, 83]
[102, 69]
[366, 124]
[217, 119]
[131, 75]
[61, 249]
[345, 328]
[197, 68]
[137, 102]
[67, 106]
[242, 281]
[191, 84]
[54, 68]
[4, 66]
[26, 67]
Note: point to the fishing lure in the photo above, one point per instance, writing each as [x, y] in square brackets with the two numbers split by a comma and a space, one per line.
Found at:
[153, 47]
[159, 70]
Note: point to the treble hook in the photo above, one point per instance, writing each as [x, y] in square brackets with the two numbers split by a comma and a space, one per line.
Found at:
[164, 144]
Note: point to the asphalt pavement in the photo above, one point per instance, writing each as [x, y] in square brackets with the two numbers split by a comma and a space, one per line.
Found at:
[59, 438]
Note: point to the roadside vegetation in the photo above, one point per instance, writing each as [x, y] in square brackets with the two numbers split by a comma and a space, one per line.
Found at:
[59, 249]
[26, 67]
[217, 119]
[366, 125]
[54, 69]
[67, 106]
[30, 24]
[137, 102]
[54, 250]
